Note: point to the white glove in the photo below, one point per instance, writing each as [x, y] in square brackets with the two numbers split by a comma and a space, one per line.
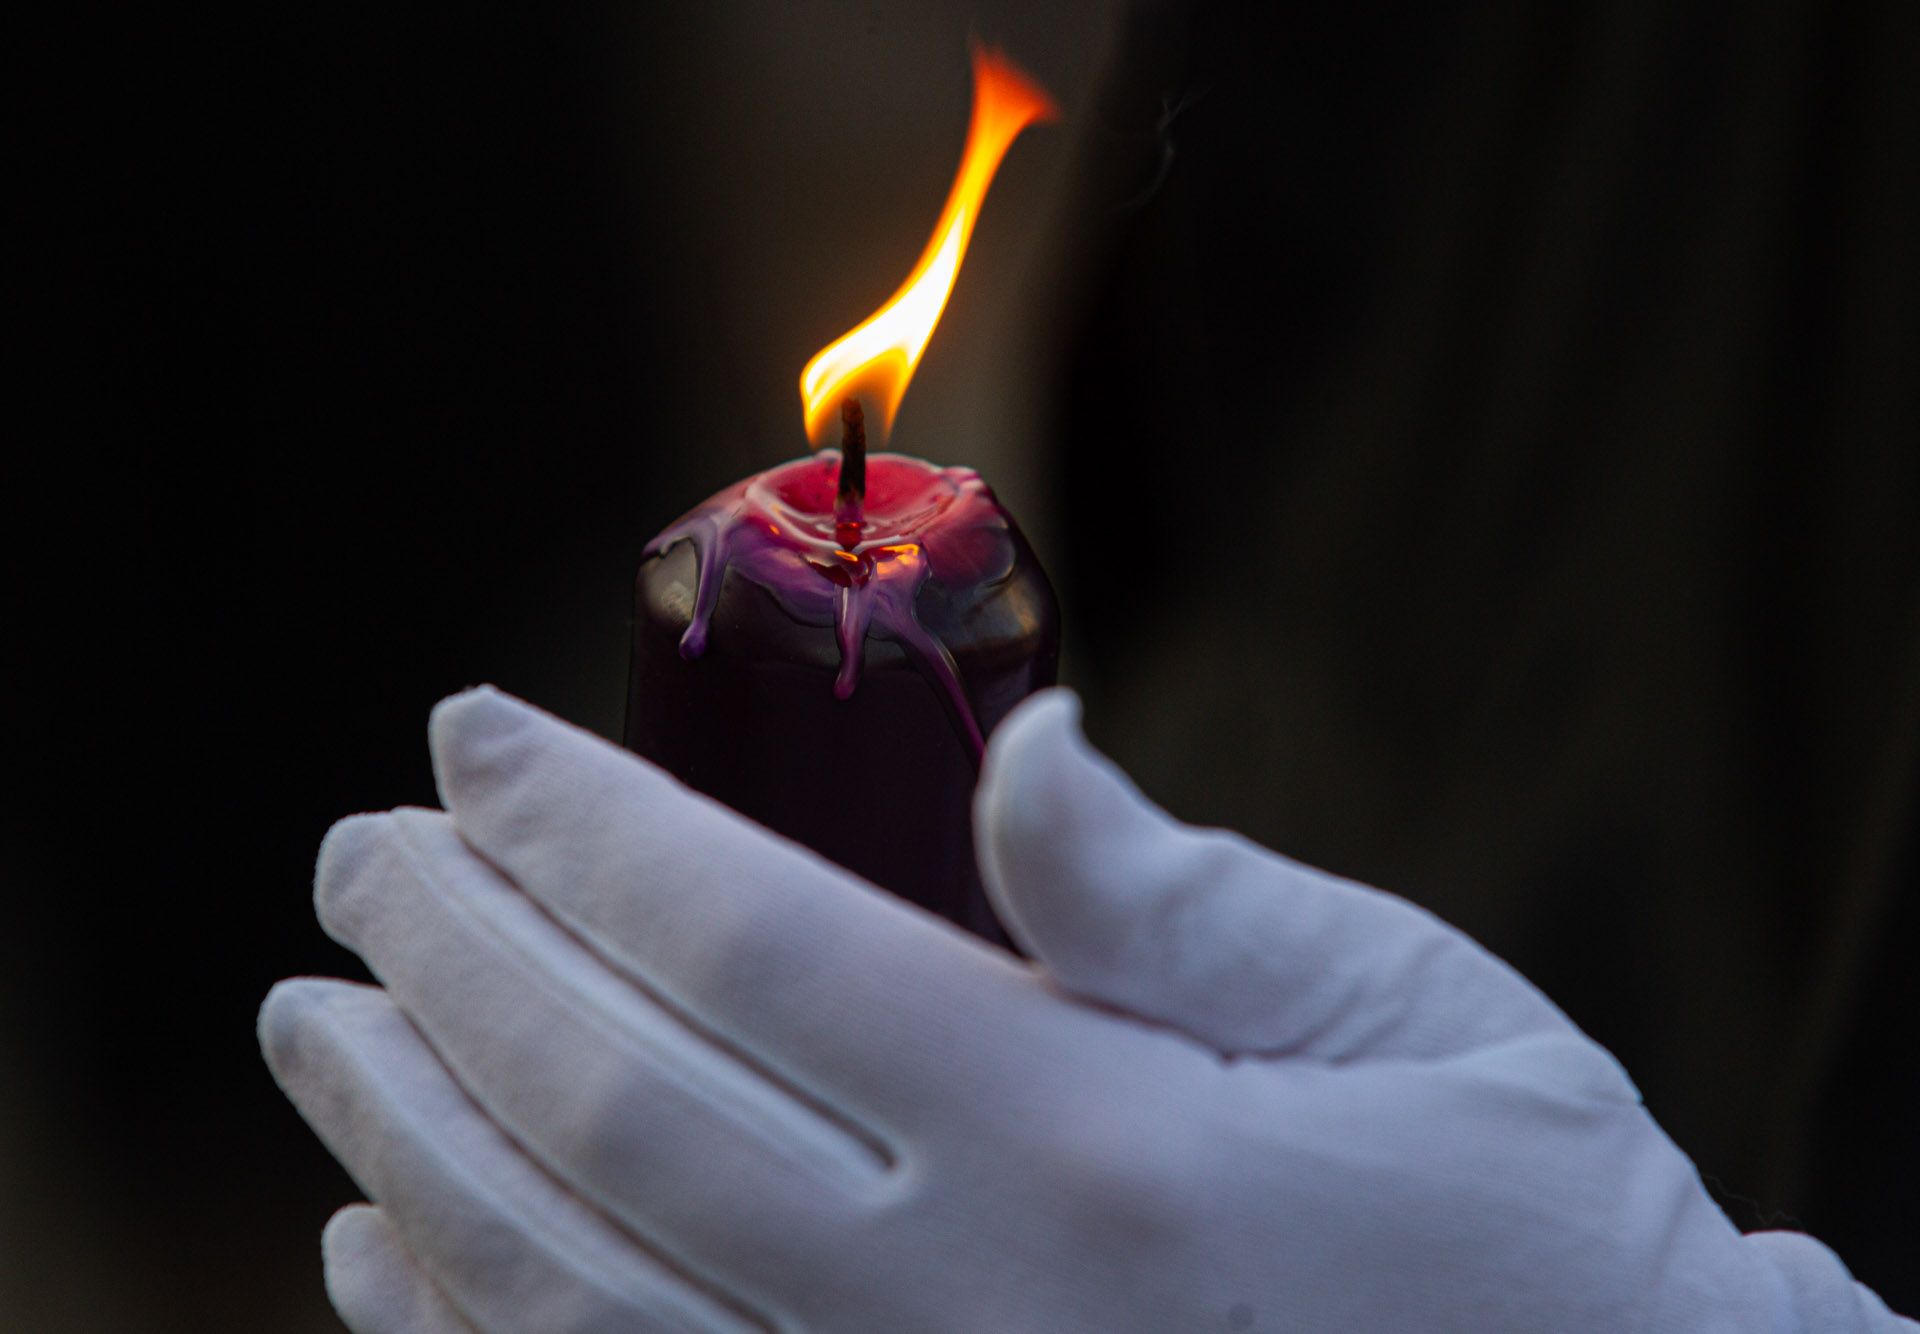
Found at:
[641, 1065]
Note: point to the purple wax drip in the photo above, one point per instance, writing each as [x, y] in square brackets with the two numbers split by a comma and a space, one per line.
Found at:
[857, 571]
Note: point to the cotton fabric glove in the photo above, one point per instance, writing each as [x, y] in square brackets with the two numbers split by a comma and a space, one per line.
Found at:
[639, 1064]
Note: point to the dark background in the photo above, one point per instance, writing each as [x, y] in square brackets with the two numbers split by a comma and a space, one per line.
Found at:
[1475, 445]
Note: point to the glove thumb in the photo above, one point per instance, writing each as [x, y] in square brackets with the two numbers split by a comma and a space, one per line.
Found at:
[1243, 949]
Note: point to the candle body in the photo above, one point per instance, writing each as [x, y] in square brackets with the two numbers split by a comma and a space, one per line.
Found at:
[872, 764]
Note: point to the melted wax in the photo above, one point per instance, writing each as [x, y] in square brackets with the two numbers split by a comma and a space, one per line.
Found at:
[855, 566]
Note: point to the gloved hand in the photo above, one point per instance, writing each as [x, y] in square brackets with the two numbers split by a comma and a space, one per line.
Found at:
[641, 1065]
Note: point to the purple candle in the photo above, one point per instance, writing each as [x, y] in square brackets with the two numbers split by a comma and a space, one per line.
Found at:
[826, 646]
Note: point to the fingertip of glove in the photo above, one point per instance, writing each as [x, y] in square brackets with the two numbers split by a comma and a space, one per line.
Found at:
[461, 723]
[1055, 709]
[300, 1012]
[468, 708]
[351, 1232]
[1023, 808]
[480, 737]
[1041, 777]
[1029, 742]
[345, 849]
[345, 854]
[375, 1282]
[283, 1015]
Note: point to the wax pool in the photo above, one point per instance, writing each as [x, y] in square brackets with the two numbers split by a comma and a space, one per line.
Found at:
[833, 672]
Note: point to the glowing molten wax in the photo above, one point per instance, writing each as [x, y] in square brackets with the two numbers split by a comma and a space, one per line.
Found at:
[876, 358]
[779, 531]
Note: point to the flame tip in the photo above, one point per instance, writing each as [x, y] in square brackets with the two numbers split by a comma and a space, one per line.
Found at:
[876, 358]
[990, 60]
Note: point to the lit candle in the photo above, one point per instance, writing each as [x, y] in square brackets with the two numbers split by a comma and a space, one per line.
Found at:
[826, 646]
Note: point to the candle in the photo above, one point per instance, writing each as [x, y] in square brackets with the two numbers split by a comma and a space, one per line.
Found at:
[826, 646]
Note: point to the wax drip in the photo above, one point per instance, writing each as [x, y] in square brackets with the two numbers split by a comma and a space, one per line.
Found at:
[857, 563]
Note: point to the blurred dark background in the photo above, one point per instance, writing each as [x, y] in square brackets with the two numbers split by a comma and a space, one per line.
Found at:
[1476, 447]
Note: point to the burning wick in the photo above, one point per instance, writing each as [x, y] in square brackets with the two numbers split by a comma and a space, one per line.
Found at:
[853, 458]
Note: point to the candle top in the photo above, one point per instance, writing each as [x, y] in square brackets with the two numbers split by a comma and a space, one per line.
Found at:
[788, 531]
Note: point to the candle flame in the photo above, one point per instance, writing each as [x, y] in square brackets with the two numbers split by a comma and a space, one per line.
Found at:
[878, 356]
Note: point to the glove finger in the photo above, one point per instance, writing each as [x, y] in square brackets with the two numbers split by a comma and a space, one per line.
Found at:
[1243, 949]
[492, 1230]
[866, 999]
[375, 1285]
[652, 1119]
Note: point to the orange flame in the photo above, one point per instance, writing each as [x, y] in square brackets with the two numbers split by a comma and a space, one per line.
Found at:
[878, 356]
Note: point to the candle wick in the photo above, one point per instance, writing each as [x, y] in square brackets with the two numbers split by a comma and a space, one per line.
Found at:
[853, 456]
